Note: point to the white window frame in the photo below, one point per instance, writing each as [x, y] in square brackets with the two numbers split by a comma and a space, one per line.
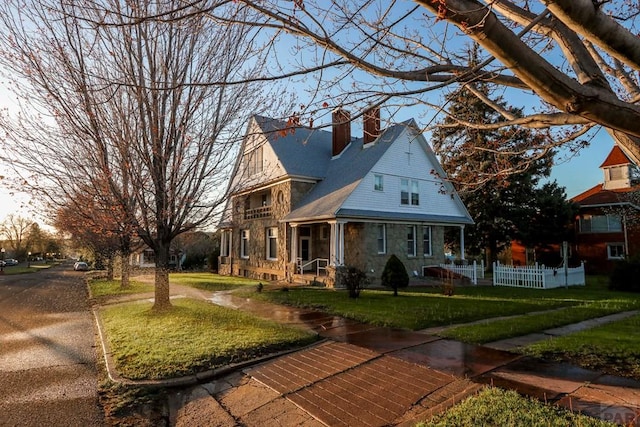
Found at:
[378, 182]
[415, 193]
[382, 238]
[405, 198]
[272, 235]
[254, 161]
[427, 245]
[616, 256]
[409, 192]
[613, 223]
[412, 243]
[244, 244]
[225, 237]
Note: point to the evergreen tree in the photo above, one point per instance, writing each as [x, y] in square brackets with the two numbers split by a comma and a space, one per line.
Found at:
[550, 219]
[394, 275]
[497, 174]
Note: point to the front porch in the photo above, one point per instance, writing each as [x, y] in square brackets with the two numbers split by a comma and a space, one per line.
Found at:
[317, 249]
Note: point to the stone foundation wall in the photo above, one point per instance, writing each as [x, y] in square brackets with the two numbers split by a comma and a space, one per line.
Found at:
[361, 248]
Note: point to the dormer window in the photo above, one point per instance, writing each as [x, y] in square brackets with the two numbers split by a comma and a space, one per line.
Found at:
[618, 170]
[616, 173]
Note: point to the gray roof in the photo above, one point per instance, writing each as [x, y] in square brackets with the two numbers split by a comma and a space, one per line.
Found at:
[307, 153]
[301, 151]
[343, 174]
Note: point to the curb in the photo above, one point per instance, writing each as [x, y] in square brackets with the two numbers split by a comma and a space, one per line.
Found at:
[186, 380]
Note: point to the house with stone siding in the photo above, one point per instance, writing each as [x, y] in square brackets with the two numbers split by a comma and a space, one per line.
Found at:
[303, 201]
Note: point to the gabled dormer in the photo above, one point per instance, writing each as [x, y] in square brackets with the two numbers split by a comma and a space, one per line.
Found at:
[618, 170]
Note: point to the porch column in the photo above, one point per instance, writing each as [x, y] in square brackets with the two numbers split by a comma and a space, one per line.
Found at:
[462, 242]
[340, 243]
[294, 244]
[332, 244]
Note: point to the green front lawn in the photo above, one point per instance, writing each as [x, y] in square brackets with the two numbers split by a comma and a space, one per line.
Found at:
[104, 288]
[192, 337]
[209, 281]
[613, 348]
[494, 330]
[419, 308]
[415, 309]
[494, 407]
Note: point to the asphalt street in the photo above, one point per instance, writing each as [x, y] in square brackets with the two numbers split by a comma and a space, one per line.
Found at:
[48, 373]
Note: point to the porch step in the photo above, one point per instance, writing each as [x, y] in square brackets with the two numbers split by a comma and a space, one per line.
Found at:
[310, 280]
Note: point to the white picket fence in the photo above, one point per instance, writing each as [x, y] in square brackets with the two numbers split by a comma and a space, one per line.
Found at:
[473, 271]
[537, 277]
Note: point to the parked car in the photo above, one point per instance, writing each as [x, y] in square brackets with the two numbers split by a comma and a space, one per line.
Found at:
[10, 261]
[81, 266]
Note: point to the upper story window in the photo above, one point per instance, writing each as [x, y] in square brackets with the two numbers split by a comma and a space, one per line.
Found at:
[617, 173]
[254, 161]
[378, 183]
[409, 193]
[600, 224]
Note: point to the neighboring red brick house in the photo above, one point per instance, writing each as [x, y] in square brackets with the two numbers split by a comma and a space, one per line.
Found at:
[603, 232]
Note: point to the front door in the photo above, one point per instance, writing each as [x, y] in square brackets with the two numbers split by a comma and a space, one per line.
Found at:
[304, 246]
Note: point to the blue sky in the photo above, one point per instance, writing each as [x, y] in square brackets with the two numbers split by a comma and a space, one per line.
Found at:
[577, 174]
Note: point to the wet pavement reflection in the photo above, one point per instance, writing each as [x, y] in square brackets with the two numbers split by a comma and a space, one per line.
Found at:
[595, 394]
[457, 358]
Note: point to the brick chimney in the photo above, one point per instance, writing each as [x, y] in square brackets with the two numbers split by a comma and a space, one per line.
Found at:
[371, 124]
[341, 130]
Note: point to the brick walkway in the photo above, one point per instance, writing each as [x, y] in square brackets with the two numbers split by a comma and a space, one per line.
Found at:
[369, 376]
[345, 385]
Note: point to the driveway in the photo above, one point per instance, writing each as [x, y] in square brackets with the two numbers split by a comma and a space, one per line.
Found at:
[48, 373]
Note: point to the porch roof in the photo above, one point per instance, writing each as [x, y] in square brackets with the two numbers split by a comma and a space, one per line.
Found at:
[382, 216]
[409, 217]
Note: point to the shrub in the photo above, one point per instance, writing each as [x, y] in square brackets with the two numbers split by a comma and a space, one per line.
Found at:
[194, 262]
[395, 275]
[624, 276]
[351, 278]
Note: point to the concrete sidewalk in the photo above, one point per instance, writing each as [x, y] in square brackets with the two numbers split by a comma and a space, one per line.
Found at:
[363, 375]
[371, 376]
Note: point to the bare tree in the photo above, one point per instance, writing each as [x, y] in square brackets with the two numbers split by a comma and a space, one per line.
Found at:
[94, 223]
[15, 230]
[123, 111]
[578, 60]
[579, 57]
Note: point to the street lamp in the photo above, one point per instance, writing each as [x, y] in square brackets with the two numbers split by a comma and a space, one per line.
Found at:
[29, 260]
[2, 264]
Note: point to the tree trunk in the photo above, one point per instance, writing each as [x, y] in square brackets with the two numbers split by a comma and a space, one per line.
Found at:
[109, 261]
[491, 252]
[125, 283]
[162, 301]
